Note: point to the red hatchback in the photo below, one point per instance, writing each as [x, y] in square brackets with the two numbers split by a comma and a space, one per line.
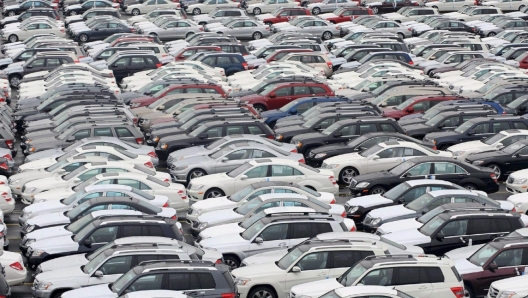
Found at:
[283, 15]
[187, 52]
[417, 104]
[285, 93]
[144, 101]
[346, 14]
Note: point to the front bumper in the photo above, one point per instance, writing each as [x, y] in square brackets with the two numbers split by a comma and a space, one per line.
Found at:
[195, 195]
[27, 198]
[40, 293]
[516, 188]
[34, 261]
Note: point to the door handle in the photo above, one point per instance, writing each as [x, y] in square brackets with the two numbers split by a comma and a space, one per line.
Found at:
[282, 244]
[423, 287]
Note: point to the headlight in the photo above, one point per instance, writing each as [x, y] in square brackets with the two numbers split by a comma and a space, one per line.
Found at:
[145, 121]
[518, 205]
[320, 155]
[26, 214]
[43, 286]
[458, 153]
[520, 181]
[353, 209]
[30, 190]
[30, 228]
[507, 294]
[477, 162]
[299, 145]
[376, 221]
[332, 166]
[156, 139]
[203, 225]
[28, 243]
[37, 253]
[363, 184]
[32, 149]
[197, 212]
[181, 168]
[178, 158]
[242, 281]
[14, 182]
[164, 146]
[279, 137]
[197, 186]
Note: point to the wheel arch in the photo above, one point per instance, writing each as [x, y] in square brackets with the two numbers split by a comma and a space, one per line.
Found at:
[264, 285]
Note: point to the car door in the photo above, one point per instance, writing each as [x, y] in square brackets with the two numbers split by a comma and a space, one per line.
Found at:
[483, 230]
[285, 173]
[343, 134]
[272, 237]
[412, 280]
[385, 159]
[98, 238]
[232, 160]
[516, 161]
[449, 172]
[313, 266]
[120, 68]
[510, 262]
[111, 270]
[256, 174]
[449, 123]
[451, 235]
[35, 66]
[280, 97]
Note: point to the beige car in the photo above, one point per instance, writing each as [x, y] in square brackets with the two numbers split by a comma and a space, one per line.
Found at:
[313, 59]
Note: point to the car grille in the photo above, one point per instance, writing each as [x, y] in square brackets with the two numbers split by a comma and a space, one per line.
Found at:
[173, 167]
[195, 224]
[510, 180]
[493, 292]
[324, 165]
[353, 183]
[23, 189]
[347, 208]
[24, 241]
[170, 158]
[190, 211]
[23, 225]
[38, 271]
[367, 220]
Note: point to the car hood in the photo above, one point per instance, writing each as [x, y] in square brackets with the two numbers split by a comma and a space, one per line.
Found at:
[214, 204]
[98, 291]
[486, 155]
[225, 241]
[369, 201]
[220, 216]
[464, 266]
[417, 126]
[289, 130]
[467, 146]
[46, 207]
[273, 113]
[265, 257]
[230, 228]
[45, 182]
[194, 160]
[258, 271]
[398, 225]
[440, 134]
[56, 245]
[50, 232]
[62, 275]
[54, 194]
[329, 148]
[30, 175]
[316, 288]
[370, 176]
[517, 284]
[392, 212]
[463, 252]
[50, 153]
[62, 262]
[304, 136]
[343, 158]
[408, 237]
[48, 219]
[38, 164]
[288, 123]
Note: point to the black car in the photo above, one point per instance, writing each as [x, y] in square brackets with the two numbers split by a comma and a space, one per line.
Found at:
[343, 130]
[92, 13]
[15, 9]
[475, 129]
[32, 12]
[317, 123]
[72, 10]
[518, 106]
[211, 132]
[316, 156]
[127, 63]
[444, 168]
[453, 25]
[40, 62]
[444, 121]
[447, 106]
[101, 30]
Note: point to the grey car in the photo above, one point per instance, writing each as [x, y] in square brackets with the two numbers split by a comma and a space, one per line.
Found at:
[392, 27]
[175, 29]
[316, 27]
[330, 6]
[245, 29]
[508, 25]
[225, 159]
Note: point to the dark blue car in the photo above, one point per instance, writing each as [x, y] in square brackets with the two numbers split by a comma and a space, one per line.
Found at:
[230, 62]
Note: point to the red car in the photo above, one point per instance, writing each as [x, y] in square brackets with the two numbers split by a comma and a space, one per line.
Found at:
[284, 14]
[523, 61]
[285, 93]
[187, 52]
[278, 54]
[346, 14]
[144, 101]
[417, 104]
[247, 108]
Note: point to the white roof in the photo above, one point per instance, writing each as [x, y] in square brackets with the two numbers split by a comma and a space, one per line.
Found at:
[443, 192]
[282, 196]
[413, 183]
[374, 290]
[145, 239]
[347, 235]
[107, 187]
[521, 132]
[115, 212]
[288, 209]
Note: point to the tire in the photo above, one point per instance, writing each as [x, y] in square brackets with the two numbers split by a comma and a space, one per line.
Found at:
[256, 36]
[346, 174]
[83, 38]
[435, 7]
[316, 11]
[401, 35]
[491, 34]
[135, 12]
[257, 11]
[469, 186]
[188, 34]
[497, 169]
[73, 13]
[259, 108]
[14, 81]
[195, 173]
[377, 190]
[468, 291]
[13, 38]
[232, 261]
[11, 13]
[213, 193]
[196, 11]
[262, 292]
[521, 7]
[375, 10]
[327, 35]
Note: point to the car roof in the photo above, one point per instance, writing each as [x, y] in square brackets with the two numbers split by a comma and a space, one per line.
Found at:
[272, 196]
[443, 192]
[419, 182]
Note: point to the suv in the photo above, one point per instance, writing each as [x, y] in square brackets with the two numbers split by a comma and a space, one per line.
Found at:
[99, 233]
[177, 276]
[417, 104]
[210, 132]
[475, 129]
[270, 232]
[32, 12]
[344, 130]
[127, 63]
[418, 276]
[230, 62]
[283, 15]
[309, 261]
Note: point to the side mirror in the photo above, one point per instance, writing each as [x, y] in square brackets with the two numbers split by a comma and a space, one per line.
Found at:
[375, 157]
[29, 66]
[383, 104]
[70, 139]
[76, 180]
[61, 171]
[203, 136]
[162, 107]
[471, 132]
[441, 125]
[243, 177]
[114, 66]
[272, 95]
[493, 267]
[401, 201]
[224, 159]
[317, 127]
[87, 243]
[293, 112]
[500, 145]
[410, 109]
[99, 58]
[98, 273]
[296, 269]
[338, 134]
[258, 240]
[440, 236]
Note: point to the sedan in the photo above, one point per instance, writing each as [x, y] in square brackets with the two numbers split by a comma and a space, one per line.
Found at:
[330, 6]
[76, 9]
[209, 6]
[151, 5]
[318, 28]
[14, 34]
[176, 29]
[269, 6]
[12, 10]
[493, 143]
[245, 29]
[101, 30]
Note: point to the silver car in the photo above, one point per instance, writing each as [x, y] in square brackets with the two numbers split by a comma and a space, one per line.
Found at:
[329, 6]
[319, 28]
[175, 29]
[245, 29]
[392, 27]
[225, 160]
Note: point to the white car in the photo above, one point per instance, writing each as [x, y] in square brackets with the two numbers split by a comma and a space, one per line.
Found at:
[517, 182]
[449, 5]
[250, 192]
[175, 192]
[272, 169]
[84, 173]
[513, 287]
[493, 143]
[269, 6]
[380, 157]
[15, 271]
[506, 5]
[210, 5]
[7, 200]
[365, 291]
[520, 200]
[14, 34]
[148, 6]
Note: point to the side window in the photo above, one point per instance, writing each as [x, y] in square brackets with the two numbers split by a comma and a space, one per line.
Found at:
[414, 193]
[303, 230]
[340, 259]
[239, 154]
[117, 265]
[129, 182]
[261, 154]
[123, 132]
[283, 91]
[511, 257]
[278, 170]
[90, 196]
[103, 132]
[519, 125]
[266, 206]
[214, 132]
[497, 127]
[482, 226]
[103, 235]
[148, 282]
[409, 276]
[366, 128]
[130, 231]
[482, 128]
[52, 62]
[381, 277]
[318, 90]
[420, 170]
[231, 130]
[255, 130]
[444, 168]
[387, 127]
[301, 90]
[81, 134]
[72, 166]
[313, 261]
[455, 228]
[275, 232]
[258, 172]
[435, 274]
[89, 174]
[122, 62]
[503, 225]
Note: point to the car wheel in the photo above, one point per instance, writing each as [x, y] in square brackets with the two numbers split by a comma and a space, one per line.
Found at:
[14, 80]
[257, 11]
[13, 38]
[468, 292]
[257, 35]
[260, 108]
[491, 34]
[435, 7]
[232, 262]
[196, 11]
[57, 294]
[316, 11]
[469, 186]
[521, 7]
[189, 34]
[195, 173]
[262, 292]
[496, 169]
[375, 10]
[72, 13]
[213, 193]
[327, 35]
[83, 38]
[135, 12]
[347, 174]
[400, 35]
[11, 14]
[377, 190]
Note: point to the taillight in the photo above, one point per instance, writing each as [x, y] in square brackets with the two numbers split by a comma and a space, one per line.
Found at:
[152, 154]
[133, 30]
[182, 194]
[166, 204]
[135, 120]
[201, 28]
[343, 214]
[411, 62]
[492, 177]
[148, 164]
[333, 201]
[158, 65]
[57, 17]
[294, 150]
[8, 199]
[228, 295]
[332, 179]
[514, 210]
[166, 180]
[219, 261]
[8, 157]
[174, 217]
[302, 160]
[245, 65]
[353, 229]
[139, 141]
[458, 291]
[9, 144]
[16, 266]
[4, 166]
[271, 137]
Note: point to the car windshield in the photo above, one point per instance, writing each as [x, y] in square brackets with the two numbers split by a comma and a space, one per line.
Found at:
[250, 232]
[289, 106]
[430, 227]
[239, 195]
[84, 232]
[368, 152]
[311, 122]
[221, 152]
[247, 207]
[493, 139]
[379, 99]
[57, 165]
[420, 202]
[66, 133]
[396, 191]
[74, 173]
[405, 104]
[464, 126]
[481, 256]
[516, 103]
[74, 198]
[330, 129]
[189, 124]
[430, 113]
[291, 257]
[123, 281]
[198, 130]
[352, 274]
[241, 169]
[435, 120]
[77, 225]
[513, 148]
[94, 263]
